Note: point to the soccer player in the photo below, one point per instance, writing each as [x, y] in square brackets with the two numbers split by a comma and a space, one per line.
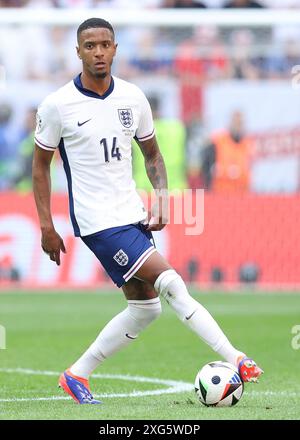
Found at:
[92, 121]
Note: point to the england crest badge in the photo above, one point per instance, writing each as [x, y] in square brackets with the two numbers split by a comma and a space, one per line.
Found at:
[121, 257]
[126, 117]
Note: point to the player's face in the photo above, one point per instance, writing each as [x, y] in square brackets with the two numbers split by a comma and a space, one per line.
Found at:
[97, 49]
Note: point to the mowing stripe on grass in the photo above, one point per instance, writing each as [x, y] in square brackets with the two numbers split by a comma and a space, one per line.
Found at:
[173, 386]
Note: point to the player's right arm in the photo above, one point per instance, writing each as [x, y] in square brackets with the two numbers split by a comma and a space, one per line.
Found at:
[47, 137]
[51, 241]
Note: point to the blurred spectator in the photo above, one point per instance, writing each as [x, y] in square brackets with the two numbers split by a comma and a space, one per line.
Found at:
[72, 3]
[52, 57]
[213, 52]
[12, 3]
[197, 140]
[170, 134]
[22, 179]
[37, 4]
[197, 59]
[243, 63]
[8, 272]
[286, 39]
[243, 4]
[183, 4]
[7, 145]
[150, 55]
[280, 66]
[226, 161]
[60, 55]
[189, 69]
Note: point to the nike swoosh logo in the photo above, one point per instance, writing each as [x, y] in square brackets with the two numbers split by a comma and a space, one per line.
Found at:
[189, 317]
[81, 123]
[130, 337]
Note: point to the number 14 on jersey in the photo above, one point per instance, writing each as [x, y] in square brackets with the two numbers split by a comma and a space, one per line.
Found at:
[114, 152]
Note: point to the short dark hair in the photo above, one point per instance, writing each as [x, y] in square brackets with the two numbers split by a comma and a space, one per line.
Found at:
[94, 23]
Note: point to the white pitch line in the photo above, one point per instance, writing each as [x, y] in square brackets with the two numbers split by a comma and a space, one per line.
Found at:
[97, 376]
[33, 399]
[173, 386]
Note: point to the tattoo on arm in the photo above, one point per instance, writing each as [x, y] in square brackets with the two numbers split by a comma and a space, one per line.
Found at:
[154, 164]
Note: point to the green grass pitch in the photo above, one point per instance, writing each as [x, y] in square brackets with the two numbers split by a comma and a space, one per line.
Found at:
[46, 332]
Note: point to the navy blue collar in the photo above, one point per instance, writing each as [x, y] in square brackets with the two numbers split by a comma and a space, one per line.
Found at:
[90, 93]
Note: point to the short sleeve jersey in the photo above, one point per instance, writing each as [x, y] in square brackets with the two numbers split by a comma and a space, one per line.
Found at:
[94, 134]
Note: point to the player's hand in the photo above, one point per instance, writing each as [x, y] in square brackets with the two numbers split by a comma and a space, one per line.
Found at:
[52, 244]
[159, 215]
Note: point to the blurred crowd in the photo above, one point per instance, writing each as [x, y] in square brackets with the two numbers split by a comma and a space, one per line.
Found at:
[191, 57]
[150, 3]
[201, 54]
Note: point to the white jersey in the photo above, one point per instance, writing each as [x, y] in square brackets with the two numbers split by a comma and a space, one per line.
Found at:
[94, 135]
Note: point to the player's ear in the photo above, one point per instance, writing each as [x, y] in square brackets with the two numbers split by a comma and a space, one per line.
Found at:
[78, 52]
[116, 45]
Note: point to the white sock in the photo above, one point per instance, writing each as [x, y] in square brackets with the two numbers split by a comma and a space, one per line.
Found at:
[118, 333]
[171, 286]
[85, 364]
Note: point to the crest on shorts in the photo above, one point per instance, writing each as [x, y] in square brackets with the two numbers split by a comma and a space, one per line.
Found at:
[121, 257]
[126, 117]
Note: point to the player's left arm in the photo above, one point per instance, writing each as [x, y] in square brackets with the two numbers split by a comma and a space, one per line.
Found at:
[157, 174]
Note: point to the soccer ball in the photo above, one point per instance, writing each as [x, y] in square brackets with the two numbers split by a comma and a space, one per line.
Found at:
[219, 384]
